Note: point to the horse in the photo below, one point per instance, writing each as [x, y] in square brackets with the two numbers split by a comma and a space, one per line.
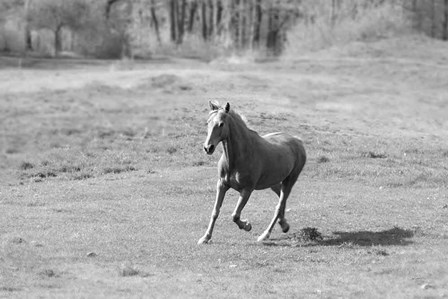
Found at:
[251, 162]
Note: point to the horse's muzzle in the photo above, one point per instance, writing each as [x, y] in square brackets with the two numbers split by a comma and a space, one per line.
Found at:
[209, 149]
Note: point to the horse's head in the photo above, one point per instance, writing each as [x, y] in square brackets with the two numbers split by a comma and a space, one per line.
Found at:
[217, 126]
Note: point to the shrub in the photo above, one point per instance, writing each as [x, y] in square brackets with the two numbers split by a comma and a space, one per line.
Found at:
[26, 165]
[323, 159]
[319, 28]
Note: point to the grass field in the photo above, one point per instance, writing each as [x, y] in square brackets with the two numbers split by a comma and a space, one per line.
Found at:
[105, 188]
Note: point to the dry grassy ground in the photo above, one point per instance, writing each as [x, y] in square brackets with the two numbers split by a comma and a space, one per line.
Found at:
[105, 189]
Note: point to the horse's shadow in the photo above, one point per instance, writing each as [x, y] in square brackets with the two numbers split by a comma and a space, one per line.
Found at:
[394, 236]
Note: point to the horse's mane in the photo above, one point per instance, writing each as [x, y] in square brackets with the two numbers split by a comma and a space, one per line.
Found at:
[235, 115]
[238, 117]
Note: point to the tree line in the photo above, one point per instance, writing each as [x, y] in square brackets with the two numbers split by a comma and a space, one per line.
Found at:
[113, 28]
[430, 17]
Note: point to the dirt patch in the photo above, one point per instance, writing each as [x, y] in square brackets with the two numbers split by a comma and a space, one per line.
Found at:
[167, 83]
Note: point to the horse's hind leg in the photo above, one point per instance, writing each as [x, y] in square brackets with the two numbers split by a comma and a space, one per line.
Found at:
[281, 217]
[280, 206]
[279, 213]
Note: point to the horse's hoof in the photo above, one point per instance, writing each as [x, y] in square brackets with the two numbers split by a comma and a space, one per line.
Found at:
[263, 237]
[285, 228]
[248, 227]
[203, 240]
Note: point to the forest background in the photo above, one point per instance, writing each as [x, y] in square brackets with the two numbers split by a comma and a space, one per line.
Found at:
[207, 29]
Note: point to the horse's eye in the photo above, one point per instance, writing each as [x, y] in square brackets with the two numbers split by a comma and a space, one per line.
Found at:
[221, 124]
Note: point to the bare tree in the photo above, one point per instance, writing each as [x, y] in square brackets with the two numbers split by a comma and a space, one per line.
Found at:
[155, 20]
[211, 19]
[241, 24]
[178, 17]
[19, 8]
[192, 15]
[433, 18]
[181, 13]
[257, 23]
[273, 20]
[173, 19]
[204, 19]
[226, 21]
[8, 5]
[333, 12]
[55, 15]
[445, 21]
[27, 31]
[218, 16]
[109, 5]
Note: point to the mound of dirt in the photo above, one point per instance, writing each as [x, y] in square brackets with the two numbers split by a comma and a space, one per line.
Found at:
[308, 234]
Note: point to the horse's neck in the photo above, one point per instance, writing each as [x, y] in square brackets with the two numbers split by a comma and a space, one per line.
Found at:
[236, 146]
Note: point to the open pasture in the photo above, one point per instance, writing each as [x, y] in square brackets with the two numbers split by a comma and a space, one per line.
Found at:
[105, 188]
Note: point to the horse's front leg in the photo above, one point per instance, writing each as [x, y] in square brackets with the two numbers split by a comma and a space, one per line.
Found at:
[221, 190]
[242, 200]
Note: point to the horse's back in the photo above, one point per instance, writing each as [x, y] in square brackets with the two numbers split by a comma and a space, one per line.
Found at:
[282, 140]
[288, 145]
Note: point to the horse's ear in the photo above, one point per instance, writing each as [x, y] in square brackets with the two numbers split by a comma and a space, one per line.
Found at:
[213, 105]
[227, 108]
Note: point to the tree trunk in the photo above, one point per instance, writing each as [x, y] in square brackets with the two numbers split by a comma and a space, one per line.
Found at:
[414, 6]
[215, 16]
[445, 21]
[181, 21]
[233, 21]
[269, 38]
[28, 39]
[257, 24]
[109, 4]
[57, 40]
[273, 31]
[250, 23]
[417, 14]
[433, 18]
[173, 20]
[204, 19]
[333, 13]
[155, 21]
[219, 12]
[241, 24]
[192, 14]
[211, 17]
[226, 21]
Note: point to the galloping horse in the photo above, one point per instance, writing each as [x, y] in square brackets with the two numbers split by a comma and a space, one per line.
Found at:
[251, 162]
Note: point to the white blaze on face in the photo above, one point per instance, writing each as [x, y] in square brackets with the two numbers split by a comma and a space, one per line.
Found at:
[216, 126]
[214, 133]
